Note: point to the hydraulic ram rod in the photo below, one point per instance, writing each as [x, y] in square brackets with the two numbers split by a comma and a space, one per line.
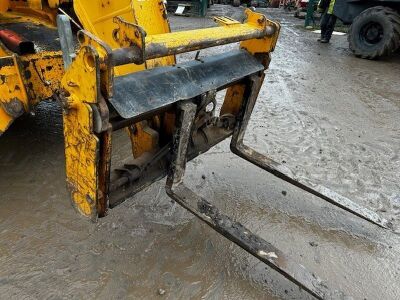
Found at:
[160, 45]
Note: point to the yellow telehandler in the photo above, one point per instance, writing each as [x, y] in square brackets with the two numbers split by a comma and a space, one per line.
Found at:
[111, 65]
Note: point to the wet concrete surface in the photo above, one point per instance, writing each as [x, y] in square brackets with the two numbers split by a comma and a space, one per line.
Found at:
[327, 115]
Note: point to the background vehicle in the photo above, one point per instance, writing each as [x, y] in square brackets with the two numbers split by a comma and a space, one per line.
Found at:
[375, 26]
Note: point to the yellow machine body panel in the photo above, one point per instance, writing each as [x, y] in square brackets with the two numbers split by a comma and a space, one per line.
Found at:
[97, 17]
[30, 78]
[4, 5]
[81, 145]
[45, 70]
[27, 79]
[34, 10]
[13, 97]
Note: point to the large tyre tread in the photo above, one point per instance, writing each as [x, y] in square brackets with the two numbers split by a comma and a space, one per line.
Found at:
[390, 46]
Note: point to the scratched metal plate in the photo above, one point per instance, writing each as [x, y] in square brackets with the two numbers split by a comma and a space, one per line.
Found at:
[150, 90]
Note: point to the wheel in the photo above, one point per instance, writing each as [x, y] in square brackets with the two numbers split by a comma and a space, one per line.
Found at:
[375, 33]
[236, 3]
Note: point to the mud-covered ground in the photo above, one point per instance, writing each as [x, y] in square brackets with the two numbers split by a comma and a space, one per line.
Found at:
[327, 115]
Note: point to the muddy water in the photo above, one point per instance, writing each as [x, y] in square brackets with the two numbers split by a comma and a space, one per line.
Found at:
[343, 132]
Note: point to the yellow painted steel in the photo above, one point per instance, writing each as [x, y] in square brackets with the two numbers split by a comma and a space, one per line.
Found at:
[35, 4]
[84, 85]
[13, 96]
[56, 3]
[42, 74]
[4, 5]
[30, 78]
[81, 86]
[199, 38]
[267, 43]
[143, 138]
[37, 10]
[97, 17]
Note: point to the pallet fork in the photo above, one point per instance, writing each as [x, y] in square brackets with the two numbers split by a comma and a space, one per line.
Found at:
[168, 110]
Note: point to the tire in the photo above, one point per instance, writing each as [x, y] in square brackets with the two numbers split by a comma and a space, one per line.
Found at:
[375, 33]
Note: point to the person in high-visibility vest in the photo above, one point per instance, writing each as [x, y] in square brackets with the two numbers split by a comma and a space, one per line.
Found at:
[328, 19]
